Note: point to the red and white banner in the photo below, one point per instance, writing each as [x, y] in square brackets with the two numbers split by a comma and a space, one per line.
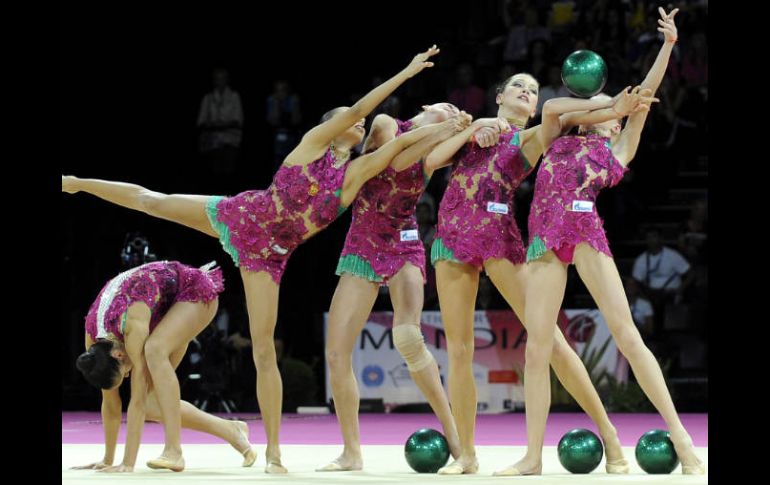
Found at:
[498, 361]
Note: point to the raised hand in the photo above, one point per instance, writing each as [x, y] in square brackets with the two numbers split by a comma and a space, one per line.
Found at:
[420, 61]
[667, 25]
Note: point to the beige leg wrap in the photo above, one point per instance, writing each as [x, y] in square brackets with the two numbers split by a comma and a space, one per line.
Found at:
[410, 344]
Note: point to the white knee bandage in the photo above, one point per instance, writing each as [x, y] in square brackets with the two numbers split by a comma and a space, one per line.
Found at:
[410, 344]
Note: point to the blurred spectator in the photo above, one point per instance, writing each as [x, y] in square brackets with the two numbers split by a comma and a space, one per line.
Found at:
[641, 308]
[467, 96]
[562, 15]
[661, 268]
[611, 33]
[521, 36]
[554, 89]
[695, 61]
[694, 234]
[504, 73]
[220, 120]
[538, 59]
[284, 117]
[665, 276]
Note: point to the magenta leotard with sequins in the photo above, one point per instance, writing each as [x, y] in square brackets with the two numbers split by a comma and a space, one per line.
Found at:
[383, 234]
[159, 285]
[476, 215]
[563, 212]
[261, 228]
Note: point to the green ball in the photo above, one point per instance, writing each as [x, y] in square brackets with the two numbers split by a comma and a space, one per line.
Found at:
[580, 451]
[655, 452]
[584, 73]
[426, 450]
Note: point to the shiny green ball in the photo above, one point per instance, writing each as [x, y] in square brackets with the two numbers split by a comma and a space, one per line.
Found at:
[655, 452]
[584, 73]
[580, 451]
[426, 450]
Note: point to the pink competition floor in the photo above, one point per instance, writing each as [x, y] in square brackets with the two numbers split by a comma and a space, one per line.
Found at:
[392, 429]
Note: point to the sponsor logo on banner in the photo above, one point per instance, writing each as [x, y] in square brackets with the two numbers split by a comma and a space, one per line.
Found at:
[580, 327]
[373, 375]
[503, 376]
[400, 376]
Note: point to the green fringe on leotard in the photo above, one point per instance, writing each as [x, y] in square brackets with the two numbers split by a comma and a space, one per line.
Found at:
[220, 228]
[357, 266]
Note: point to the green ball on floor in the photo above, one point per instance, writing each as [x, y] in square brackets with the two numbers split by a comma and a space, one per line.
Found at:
[580, 451]
[655, 452]
[426, 450]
